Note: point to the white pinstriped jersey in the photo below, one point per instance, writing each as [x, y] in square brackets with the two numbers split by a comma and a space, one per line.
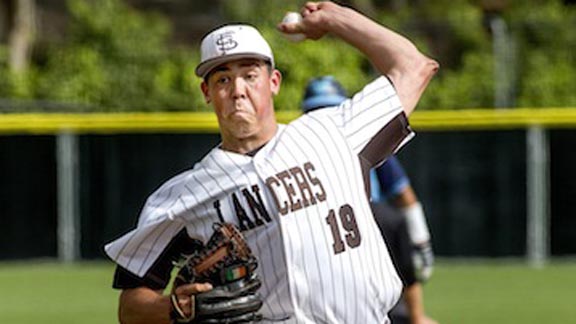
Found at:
[302, 205]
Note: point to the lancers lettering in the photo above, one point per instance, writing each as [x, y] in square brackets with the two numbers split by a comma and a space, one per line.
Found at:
[296, 188]
[291, 189]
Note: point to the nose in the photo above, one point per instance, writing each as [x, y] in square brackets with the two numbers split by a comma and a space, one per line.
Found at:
[239, 88]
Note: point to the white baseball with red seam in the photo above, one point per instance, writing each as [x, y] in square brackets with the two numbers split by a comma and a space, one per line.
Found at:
[292, 18]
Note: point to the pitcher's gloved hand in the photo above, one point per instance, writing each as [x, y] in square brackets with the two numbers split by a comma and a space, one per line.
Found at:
[227, 263]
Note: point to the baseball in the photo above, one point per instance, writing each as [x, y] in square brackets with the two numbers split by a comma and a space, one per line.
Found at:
[293, 18]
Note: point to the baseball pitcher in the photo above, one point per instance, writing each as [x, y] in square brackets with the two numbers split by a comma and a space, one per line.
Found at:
[274, 224]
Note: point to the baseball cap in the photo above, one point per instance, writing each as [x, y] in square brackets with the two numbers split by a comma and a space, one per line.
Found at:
[232, 42]
[323, 92]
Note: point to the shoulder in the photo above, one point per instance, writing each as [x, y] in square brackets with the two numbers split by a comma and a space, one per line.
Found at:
[381, 82]
[380, 89]
[188, 175]
[163, 198]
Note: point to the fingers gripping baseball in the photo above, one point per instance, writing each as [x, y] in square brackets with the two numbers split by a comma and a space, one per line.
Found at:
[310, 23]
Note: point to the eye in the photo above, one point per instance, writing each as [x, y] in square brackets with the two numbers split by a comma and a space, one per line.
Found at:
[222, 79]
[251, 76]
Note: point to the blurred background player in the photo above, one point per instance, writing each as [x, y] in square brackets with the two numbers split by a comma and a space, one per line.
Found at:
[398, 213]
[401, 219]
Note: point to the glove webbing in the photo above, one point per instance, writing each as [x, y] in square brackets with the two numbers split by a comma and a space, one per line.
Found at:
[227, 245]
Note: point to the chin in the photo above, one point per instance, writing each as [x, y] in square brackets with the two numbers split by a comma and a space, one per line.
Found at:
[241, 127]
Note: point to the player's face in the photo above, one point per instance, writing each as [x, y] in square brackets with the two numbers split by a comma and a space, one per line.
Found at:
[241, 93]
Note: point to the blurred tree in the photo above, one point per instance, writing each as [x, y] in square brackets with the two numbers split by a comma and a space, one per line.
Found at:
[20, 26]
[547, 37]
[18, 30]
[451, 32]
[118, 59]
[115, 58]
[540, 67]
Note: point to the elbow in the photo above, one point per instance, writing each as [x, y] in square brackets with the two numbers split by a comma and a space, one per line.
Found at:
[412, 80]
[422, 72]
[429, 68]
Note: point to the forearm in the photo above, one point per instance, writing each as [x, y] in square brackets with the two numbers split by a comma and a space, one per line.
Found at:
[392, 54]
[414, 302]
[144, 306]
[385, 48]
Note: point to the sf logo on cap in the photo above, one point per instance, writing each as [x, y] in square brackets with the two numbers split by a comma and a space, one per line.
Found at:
[226, 42]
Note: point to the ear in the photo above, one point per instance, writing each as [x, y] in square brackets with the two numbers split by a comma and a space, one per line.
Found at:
[205, 91]
[275, 81]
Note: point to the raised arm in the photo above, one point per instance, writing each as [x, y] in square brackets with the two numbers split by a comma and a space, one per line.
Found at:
[392, 54]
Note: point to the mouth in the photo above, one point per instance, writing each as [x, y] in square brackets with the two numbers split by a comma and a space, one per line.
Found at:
[239, 109]
[239, 114]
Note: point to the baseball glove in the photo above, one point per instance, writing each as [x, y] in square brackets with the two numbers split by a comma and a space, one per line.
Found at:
[227, 263]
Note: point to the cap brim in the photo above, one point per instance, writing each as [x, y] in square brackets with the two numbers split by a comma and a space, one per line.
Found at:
[205, 67]
[314, 103]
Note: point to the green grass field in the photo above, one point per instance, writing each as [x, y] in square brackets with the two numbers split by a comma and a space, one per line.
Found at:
[459, 293]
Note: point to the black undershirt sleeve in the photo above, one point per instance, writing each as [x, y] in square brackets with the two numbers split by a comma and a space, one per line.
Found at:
[158, 277]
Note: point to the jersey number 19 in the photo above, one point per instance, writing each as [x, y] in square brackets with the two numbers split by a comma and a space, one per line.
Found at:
[348, 223]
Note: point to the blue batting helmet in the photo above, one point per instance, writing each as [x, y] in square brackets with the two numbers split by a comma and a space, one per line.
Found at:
[323, 92]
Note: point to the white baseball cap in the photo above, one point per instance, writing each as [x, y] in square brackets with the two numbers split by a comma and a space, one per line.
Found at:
[232, 42]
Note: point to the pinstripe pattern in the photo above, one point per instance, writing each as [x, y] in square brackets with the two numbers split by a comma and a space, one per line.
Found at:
[322, 257]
